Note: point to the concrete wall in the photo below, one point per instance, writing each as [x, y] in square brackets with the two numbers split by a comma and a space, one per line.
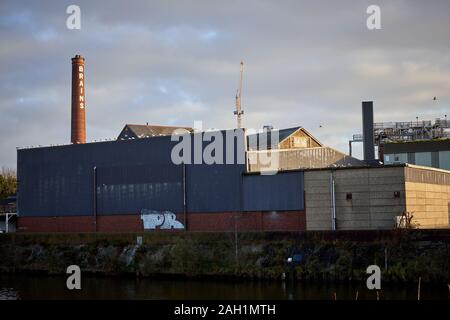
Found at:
[428, 196]
[373, 204]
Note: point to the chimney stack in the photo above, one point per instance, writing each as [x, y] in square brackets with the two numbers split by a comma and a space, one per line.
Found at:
[78, 132]
[368, 140]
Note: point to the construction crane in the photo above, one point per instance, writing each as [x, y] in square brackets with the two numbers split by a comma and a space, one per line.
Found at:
[239, 112]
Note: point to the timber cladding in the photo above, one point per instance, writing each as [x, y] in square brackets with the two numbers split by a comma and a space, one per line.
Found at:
[299, 139]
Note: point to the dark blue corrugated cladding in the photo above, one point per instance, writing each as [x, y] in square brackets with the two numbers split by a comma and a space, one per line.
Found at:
[130, 175]
[129, 189]
[213, 188]
[124, 177]
[282, 191]
[216, 187]
[56, 181]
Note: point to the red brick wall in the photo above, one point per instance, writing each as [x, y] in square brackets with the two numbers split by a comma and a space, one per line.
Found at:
[120, 223]
[255, 221]
[217, 221]
[56, 224]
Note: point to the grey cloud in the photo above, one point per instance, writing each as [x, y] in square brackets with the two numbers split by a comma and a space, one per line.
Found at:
[307, 63]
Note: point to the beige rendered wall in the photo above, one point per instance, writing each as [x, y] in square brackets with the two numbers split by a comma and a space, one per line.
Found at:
[428, 196]
[317, 200]
[373, 204]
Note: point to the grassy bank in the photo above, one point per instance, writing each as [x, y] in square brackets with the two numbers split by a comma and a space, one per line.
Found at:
[323, 255]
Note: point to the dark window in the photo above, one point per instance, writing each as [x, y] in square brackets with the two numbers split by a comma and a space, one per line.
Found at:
[349, 196]
[396, 194]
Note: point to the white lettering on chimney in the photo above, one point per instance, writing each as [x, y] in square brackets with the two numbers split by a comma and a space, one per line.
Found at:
[81, 86]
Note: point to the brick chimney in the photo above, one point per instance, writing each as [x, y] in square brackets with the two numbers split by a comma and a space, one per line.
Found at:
[78, 131]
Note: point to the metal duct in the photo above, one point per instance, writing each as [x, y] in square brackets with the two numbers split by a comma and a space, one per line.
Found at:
[368, 139]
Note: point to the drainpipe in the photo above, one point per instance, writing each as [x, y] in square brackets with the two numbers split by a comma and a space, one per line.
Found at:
[95, 198]
[333, 202]
[184, 197]
[246, 153]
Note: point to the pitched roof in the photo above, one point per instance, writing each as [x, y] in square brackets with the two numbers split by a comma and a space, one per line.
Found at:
[283, 134]
[137, 131]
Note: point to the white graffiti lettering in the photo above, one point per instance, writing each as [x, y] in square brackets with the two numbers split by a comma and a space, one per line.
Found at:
[162, 219]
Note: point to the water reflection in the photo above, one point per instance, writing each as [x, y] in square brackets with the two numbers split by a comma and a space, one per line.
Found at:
[8, 294]
[53, 287]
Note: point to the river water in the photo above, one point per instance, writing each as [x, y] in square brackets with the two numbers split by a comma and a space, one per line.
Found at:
[54, 287]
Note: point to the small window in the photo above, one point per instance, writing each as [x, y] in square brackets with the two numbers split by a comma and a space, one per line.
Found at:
[349, 196]
[396, 194]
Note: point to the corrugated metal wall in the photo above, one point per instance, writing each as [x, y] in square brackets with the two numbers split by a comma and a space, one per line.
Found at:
[128, 189]
[213, 188]
[283, 191]
[60, 180]
[138, 174]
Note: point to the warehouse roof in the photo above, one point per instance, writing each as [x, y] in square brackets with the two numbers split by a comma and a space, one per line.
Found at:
[136, 131]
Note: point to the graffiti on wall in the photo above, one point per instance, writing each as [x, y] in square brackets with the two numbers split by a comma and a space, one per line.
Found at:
[162, 219]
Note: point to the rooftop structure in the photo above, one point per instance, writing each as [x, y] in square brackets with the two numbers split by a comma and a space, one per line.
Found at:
[289, 138]
[406, 131]
[137, 131]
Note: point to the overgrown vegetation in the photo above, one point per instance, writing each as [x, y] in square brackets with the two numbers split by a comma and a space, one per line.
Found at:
[8, 183]
[403, 255]
[406, 221]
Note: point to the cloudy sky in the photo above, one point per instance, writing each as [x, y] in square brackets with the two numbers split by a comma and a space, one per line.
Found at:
[308, 63]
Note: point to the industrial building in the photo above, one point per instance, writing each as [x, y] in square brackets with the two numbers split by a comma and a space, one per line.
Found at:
[377, 197]
[430, 153]
[424, 142]
[108, 186]
[132, 184]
